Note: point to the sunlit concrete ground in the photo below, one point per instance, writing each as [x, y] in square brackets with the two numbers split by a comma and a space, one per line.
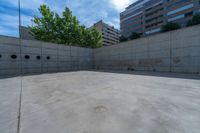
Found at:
[101, 102]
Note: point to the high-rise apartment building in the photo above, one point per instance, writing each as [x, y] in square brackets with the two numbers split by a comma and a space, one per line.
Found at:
[110, 35]
[147, 16]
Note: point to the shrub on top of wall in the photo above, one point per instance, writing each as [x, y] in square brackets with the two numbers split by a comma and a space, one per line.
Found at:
[170, 26]
[135, 35]
[195, 20]
[123, 39]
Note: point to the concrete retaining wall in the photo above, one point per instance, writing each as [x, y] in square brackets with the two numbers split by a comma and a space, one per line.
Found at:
[43, 57]
[176, 51]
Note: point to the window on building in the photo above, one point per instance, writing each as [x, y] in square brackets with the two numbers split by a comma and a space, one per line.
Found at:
[152, 19]
[154, 12]
[154, 24]
[180, 9]
[153, 31]
[176, 18]
[189, 14]
[176, 3]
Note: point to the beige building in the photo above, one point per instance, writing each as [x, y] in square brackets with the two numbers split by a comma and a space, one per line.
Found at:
[110, 35]
[25, 33]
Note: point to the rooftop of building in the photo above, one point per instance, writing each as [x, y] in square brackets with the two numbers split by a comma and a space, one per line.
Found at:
[103, 23]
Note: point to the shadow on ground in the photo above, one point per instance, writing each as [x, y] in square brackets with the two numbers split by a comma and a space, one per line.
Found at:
[156, 74]
[143, 73]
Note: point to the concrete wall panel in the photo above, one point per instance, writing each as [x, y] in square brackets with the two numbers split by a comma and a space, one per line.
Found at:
[8, 48]
[61, 57]
[176, 51]
[9, 40]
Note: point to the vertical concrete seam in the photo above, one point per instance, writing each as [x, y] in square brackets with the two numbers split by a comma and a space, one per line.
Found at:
[120, 58]
[78, 56]
[41, 58]
[93, 59]
[170, 45]
[57, 58]
[148, 54]
[70, 57]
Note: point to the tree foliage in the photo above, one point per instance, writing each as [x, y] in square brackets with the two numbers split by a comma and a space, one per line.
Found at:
[123, 39]
[195, 20]
[170, 26]
[64, 29]
[135, 35]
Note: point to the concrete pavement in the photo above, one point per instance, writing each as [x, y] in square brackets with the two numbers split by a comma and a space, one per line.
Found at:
[101, 102]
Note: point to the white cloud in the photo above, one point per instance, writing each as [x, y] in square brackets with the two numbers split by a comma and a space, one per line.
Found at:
[120, 5]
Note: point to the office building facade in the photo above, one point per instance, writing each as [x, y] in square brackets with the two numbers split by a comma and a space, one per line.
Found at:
[110, 35]
[148, 16]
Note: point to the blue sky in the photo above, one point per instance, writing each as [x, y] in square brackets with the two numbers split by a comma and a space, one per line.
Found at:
[87, 12]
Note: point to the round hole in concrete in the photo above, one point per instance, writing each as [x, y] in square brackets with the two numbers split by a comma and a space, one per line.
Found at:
[0, 55]
[27, 57]
[38, 57]
[48, 57]
[13, 56]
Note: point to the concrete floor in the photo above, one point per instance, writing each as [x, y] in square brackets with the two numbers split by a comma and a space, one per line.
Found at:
[101, 102]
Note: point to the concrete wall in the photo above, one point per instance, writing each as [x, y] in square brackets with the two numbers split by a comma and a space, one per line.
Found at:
[176, 51]
[62, 58]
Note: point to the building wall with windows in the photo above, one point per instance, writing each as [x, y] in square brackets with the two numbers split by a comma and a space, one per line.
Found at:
[147, 16]
[110, 35]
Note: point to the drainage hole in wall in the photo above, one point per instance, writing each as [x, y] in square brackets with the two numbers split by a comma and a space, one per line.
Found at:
[0, 55]
[13, 56]
[27, 57]
[38, 57]
[48, 58]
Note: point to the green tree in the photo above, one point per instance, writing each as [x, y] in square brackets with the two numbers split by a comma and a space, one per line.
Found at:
[170, 26]
[123, 39]
[135, 35]
[195, 20]
[44, 26]
[63, 30]
[95, 38]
